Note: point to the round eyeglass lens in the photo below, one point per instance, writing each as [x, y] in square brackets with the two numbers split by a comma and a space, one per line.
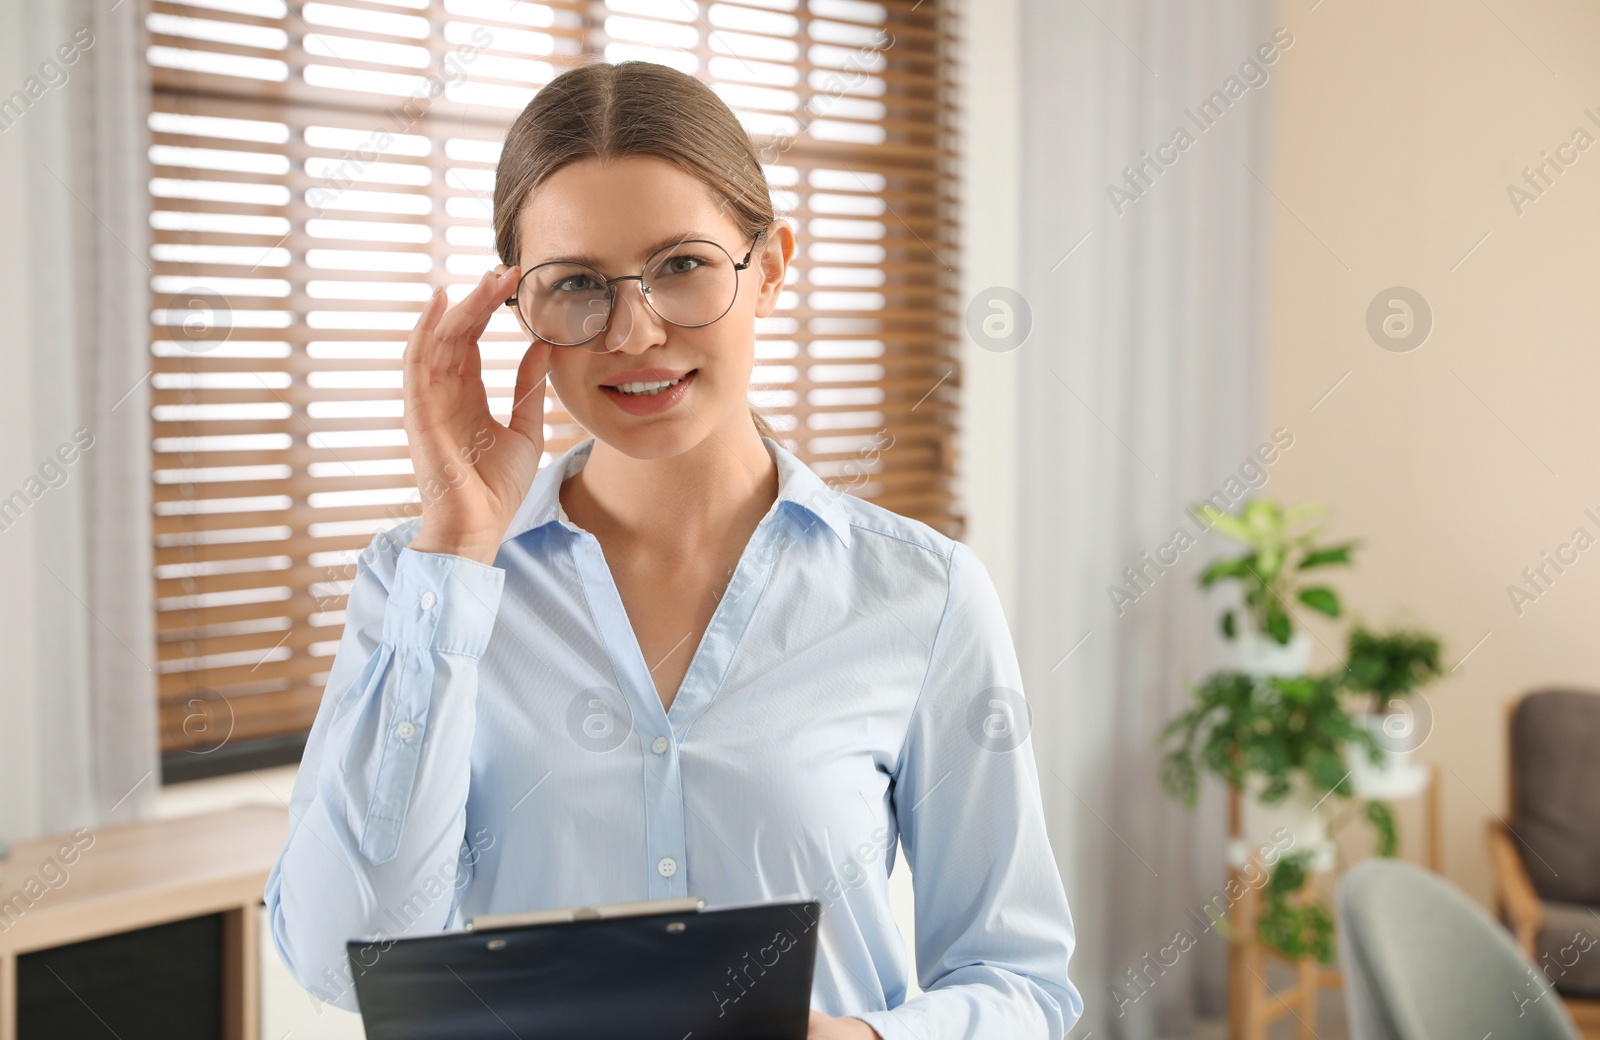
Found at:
[691, 283]
[564, 304]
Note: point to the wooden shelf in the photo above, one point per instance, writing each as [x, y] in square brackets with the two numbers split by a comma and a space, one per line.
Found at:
[101, 881]
[1253, 1005]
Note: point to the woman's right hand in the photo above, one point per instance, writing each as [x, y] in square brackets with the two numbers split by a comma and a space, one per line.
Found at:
[473, 472]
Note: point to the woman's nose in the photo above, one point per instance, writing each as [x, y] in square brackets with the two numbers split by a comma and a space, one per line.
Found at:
[634, 326]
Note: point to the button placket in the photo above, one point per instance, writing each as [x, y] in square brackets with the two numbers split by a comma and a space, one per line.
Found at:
[664, 820]
[666, 836]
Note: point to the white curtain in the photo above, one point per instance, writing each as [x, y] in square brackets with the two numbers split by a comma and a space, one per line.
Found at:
[1142, 391]
[78, 707]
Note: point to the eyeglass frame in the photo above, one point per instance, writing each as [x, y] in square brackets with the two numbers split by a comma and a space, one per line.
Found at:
[609, 282]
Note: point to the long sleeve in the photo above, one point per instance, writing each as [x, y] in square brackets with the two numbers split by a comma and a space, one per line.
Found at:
[993, 933]
[378, 812]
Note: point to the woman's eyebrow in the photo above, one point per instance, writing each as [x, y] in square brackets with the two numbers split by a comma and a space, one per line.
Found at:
[591, 261]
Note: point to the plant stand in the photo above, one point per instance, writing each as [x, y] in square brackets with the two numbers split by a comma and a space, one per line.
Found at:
[1253, 1005]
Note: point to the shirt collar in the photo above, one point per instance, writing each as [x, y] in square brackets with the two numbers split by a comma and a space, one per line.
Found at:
[797, 484]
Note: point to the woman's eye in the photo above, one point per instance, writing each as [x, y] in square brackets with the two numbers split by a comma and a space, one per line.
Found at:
[682, 264]
[576, 283]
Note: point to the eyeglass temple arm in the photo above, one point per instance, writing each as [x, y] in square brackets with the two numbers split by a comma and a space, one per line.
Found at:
[742, 264]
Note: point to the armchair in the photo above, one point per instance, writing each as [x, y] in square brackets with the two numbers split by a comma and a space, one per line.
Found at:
[1546, 855]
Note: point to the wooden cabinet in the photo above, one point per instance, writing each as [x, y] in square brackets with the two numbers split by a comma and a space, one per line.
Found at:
[98, 882]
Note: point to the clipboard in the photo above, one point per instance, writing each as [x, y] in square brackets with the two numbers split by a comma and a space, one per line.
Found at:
[658, 968]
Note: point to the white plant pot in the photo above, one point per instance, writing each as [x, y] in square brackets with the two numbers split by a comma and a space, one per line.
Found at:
[1256, 654]
[1397, 774]
[1295, 824]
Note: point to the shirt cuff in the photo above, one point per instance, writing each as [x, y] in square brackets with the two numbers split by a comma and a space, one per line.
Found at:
[441, 600]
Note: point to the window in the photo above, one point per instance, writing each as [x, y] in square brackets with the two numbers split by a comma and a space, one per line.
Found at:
[317, 167]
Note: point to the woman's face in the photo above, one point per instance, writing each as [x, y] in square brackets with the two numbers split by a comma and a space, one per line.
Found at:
[613, 215]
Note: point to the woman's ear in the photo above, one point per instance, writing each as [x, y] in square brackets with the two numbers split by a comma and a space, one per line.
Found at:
[772, 265]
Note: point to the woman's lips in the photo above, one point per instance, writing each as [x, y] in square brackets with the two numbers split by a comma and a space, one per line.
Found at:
[647, 375]
[651, 404]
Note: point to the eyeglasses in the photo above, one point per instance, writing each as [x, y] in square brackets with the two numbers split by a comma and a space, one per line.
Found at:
[688, 284]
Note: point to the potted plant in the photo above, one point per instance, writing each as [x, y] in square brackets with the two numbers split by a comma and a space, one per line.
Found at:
[1282, 550]
[1282, 736]
[1286, 739]
[1384, 670]
[1281, 546]
[1274, 727]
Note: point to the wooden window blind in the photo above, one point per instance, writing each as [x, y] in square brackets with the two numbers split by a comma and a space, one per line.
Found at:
[318, 167]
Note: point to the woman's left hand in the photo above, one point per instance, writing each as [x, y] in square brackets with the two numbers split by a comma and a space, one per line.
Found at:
[826, 1027]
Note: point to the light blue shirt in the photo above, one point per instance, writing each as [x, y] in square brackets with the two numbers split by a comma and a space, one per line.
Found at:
[490, 740]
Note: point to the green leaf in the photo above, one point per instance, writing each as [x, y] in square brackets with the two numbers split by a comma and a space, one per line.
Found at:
[1330, 774]
[1226, 524]
[1295, 929]
[1237, 567]
[1335, 554]
[1229, 629]
[1278, 624]
[1321, 599]
[1276, 789]
[1390, 664]
[1382, 821]
[1180, 778]
[1269, 560]
[1262, 515]
[1289, 876]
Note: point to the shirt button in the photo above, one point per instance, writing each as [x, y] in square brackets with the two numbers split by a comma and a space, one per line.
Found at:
[405, 731]
[667, 867]
[658, 745]
[428, 600]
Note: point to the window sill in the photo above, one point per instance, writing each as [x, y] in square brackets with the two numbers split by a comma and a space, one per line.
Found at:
[256, 787]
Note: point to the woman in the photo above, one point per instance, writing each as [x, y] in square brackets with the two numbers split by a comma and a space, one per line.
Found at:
[673, 661]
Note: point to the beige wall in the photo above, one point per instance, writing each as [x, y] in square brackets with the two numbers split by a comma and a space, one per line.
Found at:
[1399, 128]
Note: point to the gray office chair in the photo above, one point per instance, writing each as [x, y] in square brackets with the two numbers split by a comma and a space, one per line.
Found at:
[1421, 961]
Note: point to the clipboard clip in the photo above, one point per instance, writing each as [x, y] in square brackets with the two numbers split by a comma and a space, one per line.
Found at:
[639, 908]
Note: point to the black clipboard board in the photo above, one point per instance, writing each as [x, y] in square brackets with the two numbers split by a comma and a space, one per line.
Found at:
[660, 969]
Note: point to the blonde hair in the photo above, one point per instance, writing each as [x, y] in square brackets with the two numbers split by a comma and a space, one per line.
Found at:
[610, 111]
